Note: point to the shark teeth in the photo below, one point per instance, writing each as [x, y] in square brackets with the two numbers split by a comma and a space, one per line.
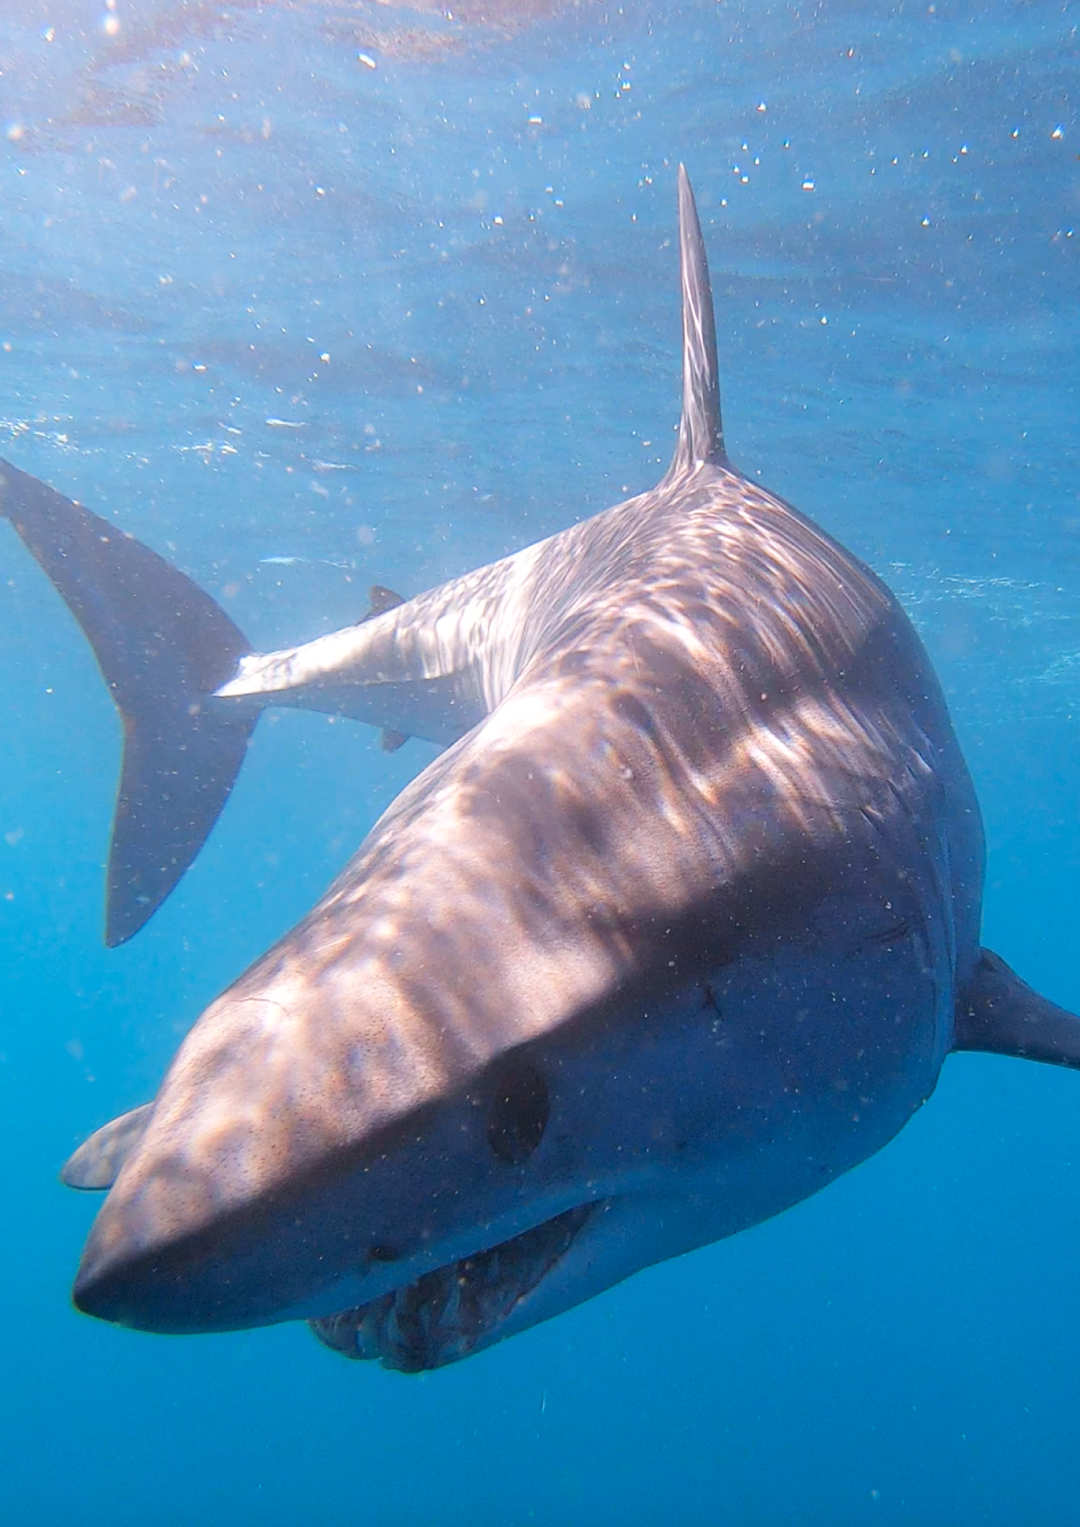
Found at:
[443, 1315]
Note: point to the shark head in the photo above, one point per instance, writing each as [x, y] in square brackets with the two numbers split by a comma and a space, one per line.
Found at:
[477, 1198]
[474, 1087]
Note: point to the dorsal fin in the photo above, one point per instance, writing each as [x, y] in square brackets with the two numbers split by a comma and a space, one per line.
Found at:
[701, 435]
[381, 600]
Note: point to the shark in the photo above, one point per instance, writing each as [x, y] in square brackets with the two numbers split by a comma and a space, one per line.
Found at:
[680, 925]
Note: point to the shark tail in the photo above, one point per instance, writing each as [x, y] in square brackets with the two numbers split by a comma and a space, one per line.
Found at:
[163, 646]
[1000, 1014]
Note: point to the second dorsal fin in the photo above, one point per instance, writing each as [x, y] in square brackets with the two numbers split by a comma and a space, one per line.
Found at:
[381, 600]
[701, 434]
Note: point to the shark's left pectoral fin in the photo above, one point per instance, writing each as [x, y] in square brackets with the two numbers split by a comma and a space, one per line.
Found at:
[1000, 1014]
[98, 1160]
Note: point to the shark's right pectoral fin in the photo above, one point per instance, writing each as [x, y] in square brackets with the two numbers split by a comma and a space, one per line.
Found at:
[98, 1160]
[163, 646]
[1000, 1014]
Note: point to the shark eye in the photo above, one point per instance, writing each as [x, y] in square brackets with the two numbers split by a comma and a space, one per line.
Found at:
[519, 1112]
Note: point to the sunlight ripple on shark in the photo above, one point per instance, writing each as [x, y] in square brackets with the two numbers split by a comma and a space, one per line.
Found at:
[680, 926]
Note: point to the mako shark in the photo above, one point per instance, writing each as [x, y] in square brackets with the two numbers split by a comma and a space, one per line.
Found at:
[680, 926]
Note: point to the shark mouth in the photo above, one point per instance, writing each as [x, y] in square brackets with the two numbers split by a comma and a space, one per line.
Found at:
[445, 1314]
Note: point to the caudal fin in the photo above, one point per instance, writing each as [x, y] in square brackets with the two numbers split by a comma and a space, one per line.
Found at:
[1001, 1014]
[163, 646]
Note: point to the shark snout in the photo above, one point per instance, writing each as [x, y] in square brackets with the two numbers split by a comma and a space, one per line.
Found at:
[215, 1277]
[213, 1239]
[265, 1181]
[161, 1291]
[219, 1221]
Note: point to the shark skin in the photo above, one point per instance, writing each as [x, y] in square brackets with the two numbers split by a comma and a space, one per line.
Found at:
[681, 925]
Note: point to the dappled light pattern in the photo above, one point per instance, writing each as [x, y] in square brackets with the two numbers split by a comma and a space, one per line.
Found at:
[136, 62]
[668, 937]
[705, 720]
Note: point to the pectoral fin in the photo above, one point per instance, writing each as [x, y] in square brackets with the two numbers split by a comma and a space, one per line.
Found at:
[97, 1162]
[1000, 1014]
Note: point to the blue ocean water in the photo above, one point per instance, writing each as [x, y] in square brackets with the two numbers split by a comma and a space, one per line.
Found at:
[317, 295]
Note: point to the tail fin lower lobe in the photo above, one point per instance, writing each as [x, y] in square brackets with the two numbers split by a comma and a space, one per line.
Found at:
[163, 646]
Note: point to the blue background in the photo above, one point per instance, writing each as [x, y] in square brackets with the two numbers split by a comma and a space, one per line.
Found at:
[197, 207]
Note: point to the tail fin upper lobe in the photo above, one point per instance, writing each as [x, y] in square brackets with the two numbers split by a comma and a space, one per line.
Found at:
[163, 646]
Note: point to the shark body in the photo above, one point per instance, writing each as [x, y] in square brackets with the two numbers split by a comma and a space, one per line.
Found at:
[681, 925]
